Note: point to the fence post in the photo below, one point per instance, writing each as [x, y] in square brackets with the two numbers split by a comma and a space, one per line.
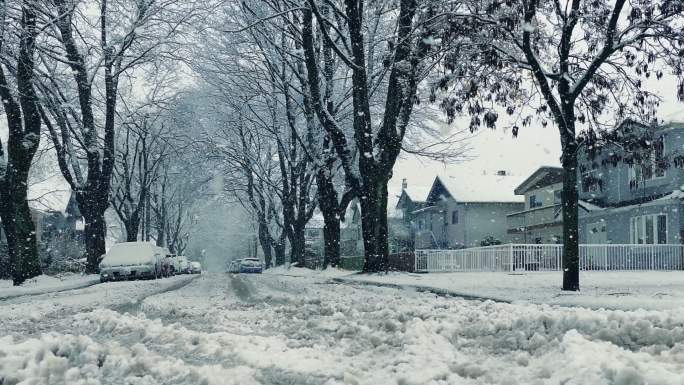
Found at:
[510, 254]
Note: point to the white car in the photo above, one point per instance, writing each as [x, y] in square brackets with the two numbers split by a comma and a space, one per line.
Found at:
[183, 265]
[131, 260]
[195, 268]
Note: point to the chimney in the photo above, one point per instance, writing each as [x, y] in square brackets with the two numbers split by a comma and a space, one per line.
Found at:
[501, 173]
[404, 184]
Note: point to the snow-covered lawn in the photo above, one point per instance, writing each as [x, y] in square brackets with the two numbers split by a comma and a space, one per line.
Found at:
[270, 329]
[613, 290]
[45, 284]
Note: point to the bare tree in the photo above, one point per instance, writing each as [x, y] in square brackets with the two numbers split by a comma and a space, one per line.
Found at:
[378, 143]
[23, 119]
[140, 153]
[584, 60]
[126, 35]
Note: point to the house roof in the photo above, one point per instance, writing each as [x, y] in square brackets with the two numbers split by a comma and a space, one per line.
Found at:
[542, 177]
[316, 221]
[480, 188]
[417, 193]
[50, 195]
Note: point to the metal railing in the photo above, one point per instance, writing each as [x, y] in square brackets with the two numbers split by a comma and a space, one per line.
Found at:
[549, 257]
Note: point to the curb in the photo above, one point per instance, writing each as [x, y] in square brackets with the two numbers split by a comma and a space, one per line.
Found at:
[422, 288]
[81, 285]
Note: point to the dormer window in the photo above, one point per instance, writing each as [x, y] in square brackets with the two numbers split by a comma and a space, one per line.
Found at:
[652, 167]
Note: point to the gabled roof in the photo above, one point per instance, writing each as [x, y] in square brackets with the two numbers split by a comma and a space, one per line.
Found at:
[416, 194]
[543, 176]
[480, 188]
[50, 195]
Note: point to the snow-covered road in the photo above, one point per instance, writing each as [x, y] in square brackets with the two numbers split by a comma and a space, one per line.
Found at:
[268, 329]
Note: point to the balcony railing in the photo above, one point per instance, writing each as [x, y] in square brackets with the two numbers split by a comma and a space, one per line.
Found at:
[549, 257]
[536, 217]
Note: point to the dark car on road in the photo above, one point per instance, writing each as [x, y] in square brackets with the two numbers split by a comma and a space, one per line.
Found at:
[246, 265]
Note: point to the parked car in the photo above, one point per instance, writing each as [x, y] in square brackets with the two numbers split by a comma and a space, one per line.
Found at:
[195, 268]
[131, 260]
[246, 265]
[167, 262]
[183, 264]
[174, 266]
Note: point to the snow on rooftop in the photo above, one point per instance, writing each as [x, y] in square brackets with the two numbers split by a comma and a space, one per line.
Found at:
[316, 221]
[417, 193]
[483, 187]
[49, 195]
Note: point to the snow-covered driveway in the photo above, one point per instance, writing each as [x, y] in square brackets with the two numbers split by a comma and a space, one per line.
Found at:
[268, 329]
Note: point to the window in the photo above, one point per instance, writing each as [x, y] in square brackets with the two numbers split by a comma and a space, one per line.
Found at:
[454, 217]
[557, 197]
[591, 179]
[648, 229]
[534, 202]
[420, 224]
[651, 168]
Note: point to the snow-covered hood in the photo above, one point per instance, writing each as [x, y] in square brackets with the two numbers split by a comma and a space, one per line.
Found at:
[129, 254]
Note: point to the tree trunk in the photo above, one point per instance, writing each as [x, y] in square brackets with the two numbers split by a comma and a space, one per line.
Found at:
[331, 240]
[374, 226]
[331, 210]
[298, 246]
[147, 226]
[279, 248]
[95, 233]
[132, 227]
[20, 233]
[570, 219]
[26, 263]
[265, 242]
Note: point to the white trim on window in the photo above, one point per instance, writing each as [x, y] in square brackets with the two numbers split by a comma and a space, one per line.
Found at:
[645, 229]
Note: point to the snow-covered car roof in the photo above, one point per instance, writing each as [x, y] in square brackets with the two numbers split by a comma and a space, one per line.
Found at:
[130, 253]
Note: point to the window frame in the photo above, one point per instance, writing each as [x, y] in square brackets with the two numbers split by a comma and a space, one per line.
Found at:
[638, 229]
[652, 163]
[533, 202]
[454, 217]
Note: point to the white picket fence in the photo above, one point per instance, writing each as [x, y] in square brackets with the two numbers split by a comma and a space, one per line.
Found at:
[545, 257]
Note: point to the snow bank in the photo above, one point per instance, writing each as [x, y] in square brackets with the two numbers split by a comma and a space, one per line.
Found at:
[57, 359]
[276, 329]
[613, 290]
[303, 272]
[47, 284]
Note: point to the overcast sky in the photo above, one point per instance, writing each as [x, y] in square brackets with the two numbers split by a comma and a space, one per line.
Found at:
[535, 146]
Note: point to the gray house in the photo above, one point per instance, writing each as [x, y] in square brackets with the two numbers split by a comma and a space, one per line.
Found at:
[623, 201]
[467, 210]
[541, 220]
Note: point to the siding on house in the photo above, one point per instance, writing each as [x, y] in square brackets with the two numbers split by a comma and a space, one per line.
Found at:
[436, 225]
[617, 199]
[541, 220]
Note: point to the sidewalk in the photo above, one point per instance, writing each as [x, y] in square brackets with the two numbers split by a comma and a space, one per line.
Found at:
[610, 290]
[46, 284]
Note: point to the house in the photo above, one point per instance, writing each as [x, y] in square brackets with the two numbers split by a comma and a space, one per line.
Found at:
[351, 235]
[541, 220]
[401, 215]
[57, 219]
[625, 201]
[467, 210]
